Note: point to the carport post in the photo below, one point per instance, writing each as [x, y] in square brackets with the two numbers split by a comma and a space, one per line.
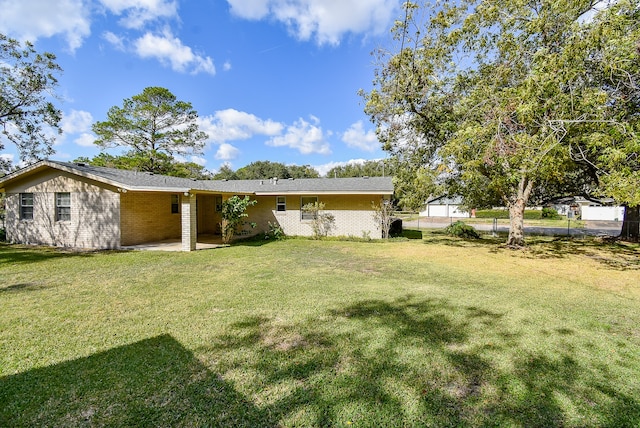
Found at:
[189, 222]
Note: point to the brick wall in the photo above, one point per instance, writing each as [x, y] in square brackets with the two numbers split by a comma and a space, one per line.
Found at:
[146, 217]
[95, 218]
[353, 215]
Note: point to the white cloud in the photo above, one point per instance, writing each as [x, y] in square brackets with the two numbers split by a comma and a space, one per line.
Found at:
[226, 66]
[198, 160]
[31, 20]
[357, 138]
[136, 13]
[324, 20]
[76, 121]
[231, 124]
[8, 157]
[227, 152]
[169, 50]
[304, 137]
[85, 140]
[250, 9]
[115, 40]
[325, 168]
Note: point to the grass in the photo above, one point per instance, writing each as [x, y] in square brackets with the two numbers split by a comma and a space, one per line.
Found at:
[421, 332]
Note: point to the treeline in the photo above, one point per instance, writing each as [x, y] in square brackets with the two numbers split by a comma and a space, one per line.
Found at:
[168, 165]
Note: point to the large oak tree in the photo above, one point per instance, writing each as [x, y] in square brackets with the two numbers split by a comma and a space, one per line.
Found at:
[486, 98]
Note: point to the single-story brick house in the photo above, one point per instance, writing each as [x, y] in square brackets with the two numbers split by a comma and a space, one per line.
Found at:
[82, 206]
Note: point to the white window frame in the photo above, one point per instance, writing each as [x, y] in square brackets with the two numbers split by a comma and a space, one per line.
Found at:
[63, 206]
[24, 197]
[281, 204]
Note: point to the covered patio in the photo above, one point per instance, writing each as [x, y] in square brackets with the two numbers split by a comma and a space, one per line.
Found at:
[204, 242]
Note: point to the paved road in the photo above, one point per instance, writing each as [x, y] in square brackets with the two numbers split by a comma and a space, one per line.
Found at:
[592, 228]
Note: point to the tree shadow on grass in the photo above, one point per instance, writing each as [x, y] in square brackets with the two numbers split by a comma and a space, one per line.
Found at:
[18, 254]
[413, 362]
[154, 382]
[407, 362]
[613, 255]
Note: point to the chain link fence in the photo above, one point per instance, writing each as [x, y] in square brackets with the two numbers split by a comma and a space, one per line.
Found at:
[495, 226]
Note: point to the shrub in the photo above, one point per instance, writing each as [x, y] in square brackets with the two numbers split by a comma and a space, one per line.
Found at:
[528, 214]
[462, 230]
[550, 213]
[321, 222]
[396, 227]
[3, 235]
[274, 232]
[233, 214]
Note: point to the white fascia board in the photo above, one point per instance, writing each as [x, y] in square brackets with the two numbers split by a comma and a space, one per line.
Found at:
[312, 193]
[158, 189]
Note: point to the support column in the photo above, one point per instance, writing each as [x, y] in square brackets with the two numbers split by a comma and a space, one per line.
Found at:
[189, 222]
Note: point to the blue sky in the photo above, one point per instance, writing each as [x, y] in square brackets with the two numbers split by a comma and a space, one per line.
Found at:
[271, 79]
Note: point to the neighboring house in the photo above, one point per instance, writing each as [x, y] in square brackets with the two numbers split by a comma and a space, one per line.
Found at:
[593, 212]
[82, 206]
[444, 206]
[588, 209]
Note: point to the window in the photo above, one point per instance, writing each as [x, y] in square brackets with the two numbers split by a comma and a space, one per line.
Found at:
[307, 215]
[281, 203]
[63, 206]
[26, 206]
[175, 204]
[218, 204]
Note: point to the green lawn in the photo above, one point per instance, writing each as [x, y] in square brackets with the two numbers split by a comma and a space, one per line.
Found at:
[433, 332]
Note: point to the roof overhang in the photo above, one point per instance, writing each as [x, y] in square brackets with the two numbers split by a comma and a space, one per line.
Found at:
[323, 192]
[121, 187]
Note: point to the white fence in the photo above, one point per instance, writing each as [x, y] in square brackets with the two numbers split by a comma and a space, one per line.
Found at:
[444, 210]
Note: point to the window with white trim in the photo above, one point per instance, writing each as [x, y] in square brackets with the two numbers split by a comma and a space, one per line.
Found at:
[281, 203]
[26, 206]
[63, 206]
[305, 200]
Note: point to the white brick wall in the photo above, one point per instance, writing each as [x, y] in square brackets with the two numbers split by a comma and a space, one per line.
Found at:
[95, 214]
[353, 215]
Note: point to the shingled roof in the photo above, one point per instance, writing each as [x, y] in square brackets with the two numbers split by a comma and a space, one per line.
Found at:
[144, 181]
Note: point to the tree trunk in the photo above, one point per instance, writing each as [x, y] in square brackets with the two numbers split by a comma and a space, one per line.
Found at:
[516, 212]
[516, 224]
[631, 224]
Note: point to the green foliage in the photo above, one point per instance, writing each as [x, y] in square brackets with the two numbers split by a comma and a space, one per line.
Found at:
[225, 173]
[165, 164]
[263, 170]
[27, 80]
[516, 121]
[610, 142]
[371, 168]
[153, 125]
[321, 222]
[275, 232]
[461, 230]
[233, 215]
[550, 213]
[3, 235]
[502, 214]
